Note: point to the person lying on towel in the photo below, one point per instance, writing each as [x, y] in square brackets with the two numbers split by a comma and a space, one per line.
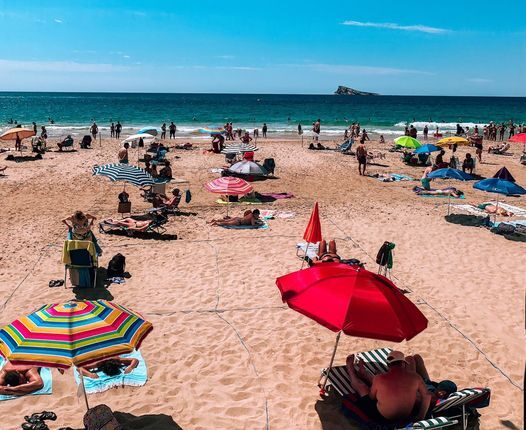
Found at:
[326, 254]
[398, 395]
[110, 367]
[493, 209]
[449, 191]
[20, 380]
[129, 223]
[248, 218]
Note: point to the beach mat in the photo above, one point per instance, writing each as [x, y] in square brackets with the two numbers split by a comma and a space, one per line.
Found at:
[136, 378]
[45, 374]
[397, 178]
[262, 226]
[273, 214]
[462, 197]
[470, 209]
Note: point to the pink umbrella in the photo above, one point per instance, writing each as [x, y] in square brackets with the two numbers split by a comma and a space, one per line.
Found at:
[229, 186]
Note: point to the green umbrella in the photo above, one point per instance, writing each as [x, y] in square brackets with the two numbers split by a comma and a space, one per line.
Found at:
[407, 142]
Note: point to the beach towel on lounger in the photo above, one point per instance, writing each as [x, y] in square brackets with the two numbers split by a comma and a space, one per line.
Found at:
[136, 378]
[262, 226]
[45, 374]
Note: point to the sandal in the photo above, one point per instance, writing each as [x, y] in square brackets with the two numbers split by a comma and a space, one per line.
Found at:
[37, 426]
[42, 416]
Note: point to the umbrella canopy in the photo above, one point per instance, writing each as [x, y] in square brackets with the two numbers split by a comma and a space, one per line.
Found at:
[239, 147]
[75, 333]
[152, 131]
[125, 173]
[499, 186]
[407, 142]
[229, 186]
[211, 131]
[453, 140]
[504, 174]
[12, 133]
[449, 173]
[353, 300]
[519, 138]
[313, 231]
[136, 137]
[426, 149]
[246, 167]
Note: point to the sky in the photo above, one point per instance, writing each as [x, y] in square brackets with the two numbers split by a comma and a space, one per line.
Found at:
[445, 47]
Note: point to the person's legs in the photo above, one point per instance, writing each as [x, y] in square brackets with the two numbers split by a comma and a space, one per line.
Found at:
[322, 248]
[332, 247]
[360, 386]
[420, 366]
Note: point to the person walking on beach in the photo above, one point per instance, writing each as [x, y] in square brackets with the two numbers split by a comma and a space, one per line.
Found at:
[118, 129]
[163, 131]
[300, 130]
[264, 130]
[316, 128]
[94, 129]
[112, 130]
[361, 156]
[426, 131]
[34, 127]
[172, 128]
[43, 133]
[123, 153]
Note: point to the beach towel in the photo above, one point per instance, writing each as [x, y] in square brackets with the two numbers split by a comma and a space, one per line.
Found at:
[470, 209]
[462, 197]
[513, 223]
[262, 226]
[516, 210]
[272, 214]
[278, 195]
[45, 374]
[312, 250]
[397, 177]
[241, 200]
[136, 378]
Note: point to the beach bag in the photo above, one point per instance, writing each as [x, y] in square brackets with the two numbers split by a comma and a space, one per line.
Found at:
[188, 196]
[385, 255]
[116, 266]
[101, 418]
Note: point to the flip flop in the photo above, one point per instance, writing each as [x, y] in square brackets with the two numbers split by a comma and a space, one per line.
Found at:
[37, 426]
[39, 417]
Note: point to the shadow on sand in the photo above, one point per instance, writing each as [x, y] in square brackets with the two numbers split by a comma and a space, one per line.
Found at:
[143, 235]
[146, 422]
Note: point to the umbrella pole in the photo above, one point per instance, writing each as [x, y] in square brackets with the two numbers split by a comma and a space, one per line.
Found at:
[305, 257]
[449, 203]
[332, 361]
[81, 377]
[496, 209]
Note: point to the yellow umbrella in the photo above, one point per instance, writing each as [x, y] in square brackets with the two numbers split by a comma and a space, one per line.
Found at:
[453, 140]
[13, 132]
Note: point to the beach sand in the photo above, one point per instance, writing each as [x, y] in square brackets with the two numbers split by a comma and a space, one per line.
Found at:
[225, 351]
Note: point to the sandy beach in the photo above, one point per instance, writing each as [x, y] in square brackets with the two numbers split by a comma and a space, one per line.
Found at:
[225, 352]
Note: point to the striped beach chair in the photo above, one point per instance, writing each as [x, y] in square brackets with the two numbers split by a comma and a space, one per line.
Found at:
[375, 361]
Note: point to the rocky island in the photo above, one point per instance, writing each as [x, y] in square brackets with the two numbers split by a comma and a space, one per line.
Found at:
[346, 91]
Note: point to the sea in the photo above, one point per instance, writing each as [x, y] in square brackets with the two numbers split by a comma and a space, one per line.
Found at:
[72, 113]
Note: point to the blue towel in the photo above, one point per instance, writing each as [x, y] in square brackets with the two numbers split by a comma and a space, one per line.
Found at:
[137, 377]
[262, 226]
[45, 374]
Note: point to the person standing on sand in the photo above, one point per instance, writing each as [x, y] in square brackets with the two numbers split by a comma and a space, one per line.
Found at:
[264, 130]
[34, 127]
[426, 131]
[112, 130]
[94, 129]
[172, 129]
[123, 153]
[163, 131]
[361, 156]
[118, 129]
[300, 130]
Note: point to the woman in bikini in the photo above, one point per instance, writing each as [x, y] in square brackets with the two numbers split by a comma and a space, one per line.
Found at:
[327, 254]
[249, 218]
[79, 228]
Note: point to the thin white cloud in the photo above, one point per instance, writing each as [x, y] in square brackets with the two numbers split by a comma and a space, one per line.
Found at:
[225, 57]
[479, 80]
[236, 68]
[58, 66]
[393, 26]
[58, 21]
[125, 56]
[360, 70]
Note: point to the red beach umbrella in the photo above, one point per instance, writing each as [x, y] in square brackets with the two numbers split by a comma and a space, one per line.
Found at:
[352, 300]
[518, 138]
[313, 231]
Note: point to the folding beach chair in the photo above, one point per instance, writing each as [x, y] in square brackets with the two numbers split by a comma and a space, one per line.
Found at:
[81, 256]
[345, 146]
[457, 405]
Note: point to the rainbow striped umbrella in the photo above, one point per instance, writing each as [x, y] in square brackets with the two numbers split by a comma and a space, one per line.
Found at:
[229, 186]
[75, 333]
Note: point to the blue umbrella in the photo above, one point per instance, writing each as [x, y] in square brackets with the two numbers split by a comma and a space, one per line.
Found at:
[125, 173]
[449, 173]
[427, 149]
[148, 130]
[499, 186]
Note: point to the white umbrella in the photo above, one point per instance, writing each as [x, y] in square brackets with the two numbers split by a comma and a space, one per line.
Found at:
[136, 137]
[246, 167]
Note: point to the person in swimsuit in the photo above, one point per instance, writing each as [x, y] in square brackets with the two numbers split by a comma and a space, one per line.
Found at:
[20, 380]
[79, 228]
[326, 254]
[449, 191]
[248, 218]
[129, 223]
[123, 153]
[246, 138]
[361, 156]
[468, 164]
[110, 367]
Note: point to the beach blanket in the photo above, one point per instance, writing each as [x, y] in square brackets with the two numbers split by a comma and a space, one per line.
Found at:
[516, 210]
[278, 195]
[272, 214]
[241, 200]
[471, 209]
[521, 222]
[136, 378]
[396, 178]
[462, 197]
[45, 374]
[262, 226]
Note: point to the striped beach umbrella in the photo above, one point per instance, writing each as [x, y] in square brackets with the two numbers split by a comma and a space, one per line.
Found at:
[75, 333]
[239, 148]
[125, 173]
[229, 186]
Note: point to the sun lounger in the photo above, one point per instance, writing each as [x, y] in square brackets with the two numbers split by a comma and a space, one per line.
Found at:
[303, 251]
[457, 403]
[80, 256]
[136, 378]
[47, 379]
[154, 226]
[346, 146]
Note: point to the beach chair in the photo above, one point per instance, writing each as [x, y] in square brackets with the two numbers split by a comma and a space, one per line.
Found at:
[66, 143]
[501, 151]
[458, 405]
[158, 219]
[81, 256]
[345, 146]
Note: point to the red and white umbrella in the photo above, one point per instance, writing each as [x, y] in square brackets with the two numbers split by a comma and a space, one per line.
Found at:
[229, 186]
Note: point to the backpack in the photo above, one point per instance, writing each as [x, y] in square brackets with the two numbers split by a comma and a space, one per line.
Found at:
[116, 266]
[101, 418]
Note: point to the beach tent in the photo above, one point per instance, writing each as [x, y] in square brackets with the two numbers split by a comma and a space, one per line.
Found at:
[349, 299]
[74, 333]
[504, 174]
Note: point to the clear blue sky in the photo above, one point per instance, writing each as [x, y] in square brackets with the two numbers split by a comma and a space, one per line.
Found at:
[445, 47]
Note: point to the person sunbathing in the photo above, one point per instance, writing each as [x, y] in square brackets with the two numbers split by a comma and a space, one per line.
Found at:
[110, 367]
[248, 218]
[449, 191]
[129, 223]
[20, 380]
[326, 254]
[160, 200]
[393, 396]
[493, 209]
[499, 149]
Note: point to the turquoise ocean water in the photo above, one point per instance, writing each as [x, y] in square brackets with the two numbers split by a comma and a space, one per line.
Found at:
[73, 112]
